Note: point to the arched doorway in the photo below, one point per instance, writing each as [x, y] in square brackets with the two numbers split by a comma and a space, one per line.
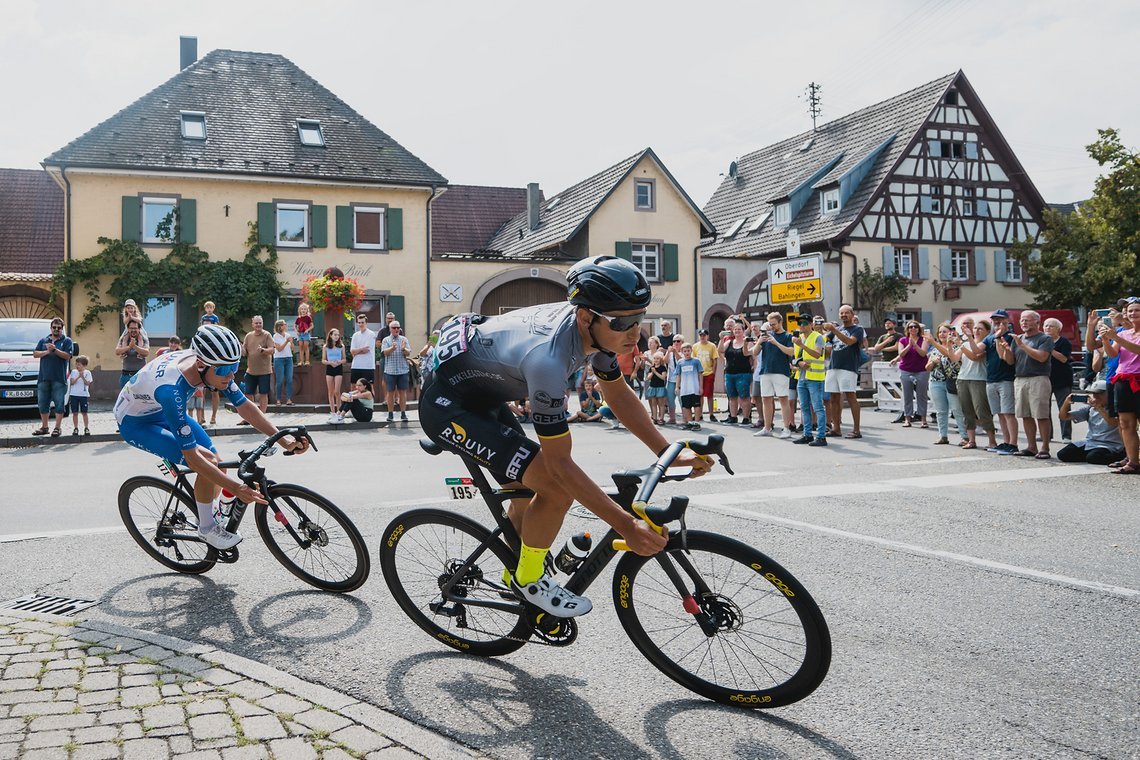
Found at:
[24, 302]
[516, 294]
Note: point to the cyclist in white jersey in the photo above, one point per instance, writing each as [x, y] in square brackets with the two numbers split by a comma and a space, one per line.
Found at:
[151, 412]
[483, 362]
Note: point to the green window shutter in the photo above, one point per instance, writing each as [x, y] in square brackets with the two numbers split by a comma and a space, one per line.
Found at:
[132, 217]
[623, 249]
[671, 268]
[344, 220]
[266, 224]
[396, 306]
[320, 234]
[394, 227]
[188, 221]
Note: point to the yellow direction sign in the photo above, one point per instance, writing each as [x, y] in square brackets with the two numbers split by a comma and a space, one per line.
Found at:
[795, 279]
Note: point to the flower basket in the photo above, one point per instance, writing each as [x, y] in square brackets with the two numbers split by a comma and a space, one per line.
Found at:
[332, 294]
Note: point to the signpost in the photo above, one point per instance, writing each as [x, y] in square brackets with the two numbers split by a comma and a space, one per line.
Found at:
[796, 279]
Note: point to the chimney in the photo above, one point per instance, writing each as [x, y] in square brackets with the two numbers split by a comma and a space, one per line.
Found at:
[187, 51]
[533, 197]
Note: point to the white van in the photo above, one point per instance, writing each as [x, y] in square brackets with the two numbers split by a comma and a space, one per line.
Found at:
[19, 370]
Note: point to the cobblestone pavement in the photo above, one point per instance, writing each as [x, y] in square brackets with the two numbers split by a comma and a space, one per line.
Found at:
[77, 690]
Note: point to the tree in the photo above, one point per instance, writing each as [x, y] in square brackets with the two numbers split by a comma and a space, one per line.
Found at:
[1091, 257]
[878, 292]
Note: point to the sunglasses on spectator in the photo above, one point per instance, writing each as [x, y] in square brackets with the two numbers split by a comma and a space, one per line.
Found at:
[621, 324]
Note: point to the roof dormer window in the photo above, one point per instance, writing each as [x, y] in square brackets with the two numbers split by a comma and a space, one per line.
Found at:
[783, 214]
[309, 130]
[193, 125]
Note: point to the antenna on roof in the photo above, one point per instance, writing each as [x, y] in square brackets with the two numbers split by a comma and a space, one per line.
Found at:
[814, 101]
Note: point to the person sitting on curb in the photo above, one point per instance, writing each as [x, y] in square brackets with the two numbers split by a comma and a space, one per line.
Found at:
[590, 403]
[1104, 444]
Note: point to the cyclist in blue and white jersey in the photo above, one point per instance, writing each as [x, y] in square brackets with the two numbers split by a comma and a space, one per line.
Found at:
[151, 412]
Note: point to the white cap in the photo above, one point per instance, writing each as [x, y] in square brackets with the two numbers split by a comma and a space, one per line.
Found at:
[1099, 386]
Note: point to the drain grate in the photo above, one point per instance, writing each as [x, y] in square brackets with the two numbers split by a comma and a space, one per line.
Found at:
[52, 605]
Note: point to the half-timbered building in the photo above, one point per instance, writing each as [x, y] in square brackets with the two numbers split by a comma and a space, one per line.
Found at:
[923, 184]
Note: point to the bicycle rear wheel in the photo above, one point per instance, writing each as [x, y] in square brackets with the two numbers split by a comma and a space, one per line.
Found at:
[330, 553]
[153, 510]
[422, 551]
[763, 642]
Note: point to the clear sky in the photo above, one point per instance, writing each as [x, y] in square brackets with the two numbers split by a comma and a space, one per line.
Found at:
[505, 93]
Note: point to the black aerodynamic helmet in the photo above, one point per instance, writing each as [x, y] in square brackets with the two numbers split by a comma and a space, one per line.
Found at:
[607, 283]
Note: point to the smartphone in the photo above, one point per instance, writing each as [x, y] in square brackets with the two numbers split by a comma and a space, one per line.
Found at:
[1080, 398]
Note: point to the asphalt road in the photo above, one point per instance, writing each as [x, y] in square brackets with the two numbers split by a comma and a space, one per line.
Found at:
[979, 606]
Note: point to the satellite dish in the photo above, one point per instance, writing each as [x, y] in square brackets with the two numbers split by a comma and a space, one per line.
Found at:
[732, 169]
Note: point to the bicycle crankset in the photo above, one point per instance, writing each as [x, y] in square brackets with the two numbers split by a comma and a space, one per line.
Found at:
[553, 630]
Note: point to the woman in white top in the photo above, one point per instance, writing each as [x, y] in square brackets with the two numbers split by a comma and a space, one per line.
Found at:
[282, 363]
[972, 384]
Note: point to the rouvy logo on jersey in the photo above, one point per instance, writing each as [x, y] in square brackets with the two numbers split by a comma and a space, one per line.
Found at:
[457, 436]
[516, 463]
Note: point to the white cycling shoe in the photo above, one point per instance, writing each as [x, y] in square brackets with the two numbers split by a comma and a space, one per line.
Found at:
[220, 538]
[551, 598]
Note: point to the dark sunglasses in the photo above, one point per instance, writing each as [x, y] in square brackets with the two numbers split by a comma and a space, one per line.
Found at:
[621, 324]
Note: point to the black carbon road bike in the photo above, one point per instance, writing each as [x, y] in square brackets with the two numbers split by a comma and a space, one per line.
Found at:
[715, 615]
[309, 535]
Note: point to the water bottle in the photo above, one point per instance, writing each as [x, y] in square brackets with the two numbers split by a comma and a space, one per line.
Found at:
[573, 552]
[226, 504]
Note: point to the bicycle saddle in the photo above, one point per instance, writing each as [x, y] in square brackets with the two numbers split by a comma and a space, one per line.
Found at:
[430, 446]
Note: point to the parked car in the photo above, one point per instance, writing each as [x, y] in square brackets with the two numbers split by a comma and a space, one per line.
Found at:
[19, 370]
[1070, 326]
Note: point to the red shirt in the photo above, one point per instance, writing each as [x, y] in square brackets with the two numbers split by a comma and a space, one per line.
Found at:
[625, 361]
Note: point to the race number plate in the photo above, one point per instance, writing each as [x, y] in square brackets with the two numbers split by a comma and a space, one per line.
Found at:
[461, 488]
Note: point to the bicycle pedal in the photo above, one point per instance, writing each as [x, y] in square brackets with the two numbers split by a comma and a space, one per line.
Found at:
[554, 630]
[227, 556]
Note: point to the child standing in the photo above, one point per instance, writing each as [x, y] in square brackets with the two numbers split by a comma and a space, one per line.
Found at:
[658, 375]
[304, 326]
[197, 403]
[689, 371]
[80, 381]
[209, 318]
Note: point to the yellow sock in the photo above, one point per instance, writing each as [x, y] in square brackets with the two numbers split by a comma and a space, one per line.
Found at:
[530, 567]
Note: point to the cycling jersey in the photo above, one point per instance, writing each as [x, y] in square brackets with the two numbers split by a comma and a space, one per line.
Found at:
[151, 409]
[481, 363]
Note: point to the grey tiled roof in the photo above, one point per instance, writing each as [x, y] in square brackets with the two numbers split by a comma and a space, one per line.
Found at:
[465, 217]
[562, 215]
[774, 171]
[31, 223]
[252, 102]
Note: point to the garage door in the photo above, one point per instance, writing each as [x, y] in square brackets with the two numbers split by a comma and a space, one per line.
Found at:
[529, 291]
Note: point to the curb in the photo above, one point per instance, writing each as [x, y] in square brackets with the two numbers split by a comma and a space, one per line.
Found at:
[400, 730]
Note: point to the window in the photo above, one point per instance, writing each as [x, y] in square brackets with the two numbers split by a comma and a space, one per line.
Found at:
[309, 130]
[720, 280]
[758, 223]
[1014, 272]
[643, 193]
[646, 258]
[953, 149]
[193, 126]
[160, 319]
[783, 214]
[960, 265]
[158, 220]
[904, 267]
[829, 201]
[287, 310]
[293, 225]
[936, 199]
[734, 228]
[902, 317]
[967, 208]
[951, 98]
[368, 227]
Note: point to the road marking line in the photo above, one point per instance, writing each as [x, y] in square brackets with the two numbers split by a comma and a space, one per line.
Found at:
[965, 559]
[11, 537]
[941, 460]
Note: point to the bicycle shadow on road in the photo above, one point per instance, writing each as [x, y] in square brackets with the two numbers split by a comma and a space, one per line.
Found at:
[769, 739]
[541, 716]
[198, 609]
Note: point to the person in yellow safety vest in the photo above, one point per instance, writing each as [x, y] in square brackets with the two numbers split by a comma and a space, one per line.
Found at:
[808, 361]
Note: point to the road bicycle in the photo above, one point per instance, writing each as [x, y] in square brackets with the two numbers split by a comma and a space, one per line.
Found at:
[715, 615]
[309, 535]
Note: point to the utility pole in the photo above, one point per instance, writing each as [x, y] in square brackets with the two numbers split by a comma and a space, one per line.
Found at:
[815, 102]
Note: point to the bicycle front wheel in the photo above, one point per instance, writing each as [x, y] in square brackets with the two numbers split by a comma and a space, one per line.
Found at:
[313, 539]
[422, 551]
[756, 637]
[154, 511]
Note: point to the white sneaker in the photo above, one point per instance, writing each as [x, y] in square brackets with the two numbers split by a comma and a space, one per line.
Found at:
[762, 433]
[347, 420]
[785, 433]
[220, 538]
[332, 419]
[615, 425]
[549, 597]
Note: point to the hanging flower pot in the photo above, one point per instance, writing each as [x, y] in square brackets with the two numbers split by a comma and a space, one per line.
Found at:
[332, 294]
